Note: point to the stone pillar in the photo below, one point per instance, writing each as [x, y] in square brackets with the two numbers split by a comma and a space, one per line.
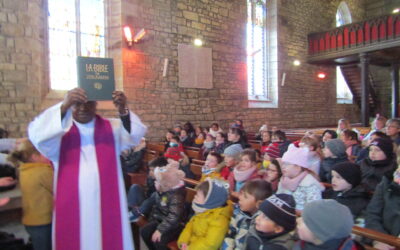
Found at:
[364, 89]
[395, 90]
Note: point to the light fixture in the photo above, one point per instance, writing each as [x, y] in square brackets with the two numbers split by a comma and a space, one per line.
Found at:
[397, 10]
[321, 75]
[296, 62]
[130, 39]
[198, 42]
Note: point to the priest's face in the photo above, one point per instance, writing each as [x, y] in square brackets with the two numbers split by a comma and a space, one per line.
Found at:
[84, 112]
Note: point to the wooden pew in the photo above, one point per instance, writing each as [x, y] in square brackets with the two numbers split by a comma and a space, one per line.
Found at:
[255, 145]
[155, 147]
[198, 162]
[378, 236]
[196, 170]
[193, 152]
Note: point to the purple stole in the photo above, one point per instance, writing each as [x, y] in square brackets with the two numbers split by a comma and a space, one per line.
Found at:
[67, 226]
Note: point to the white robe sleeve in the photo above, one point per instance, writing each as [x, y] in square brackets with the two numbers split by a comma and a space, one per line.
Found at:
[138, 130]
[47, 129]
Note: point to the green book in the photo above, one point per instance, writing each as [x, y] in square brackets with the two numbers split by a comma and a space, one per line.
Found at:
[96, 77]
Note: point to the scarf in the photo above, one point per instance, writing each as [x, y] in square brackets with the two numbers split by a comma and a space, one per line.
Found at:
[209, 144]
[292, 183]
[67, 233]
[243, 175]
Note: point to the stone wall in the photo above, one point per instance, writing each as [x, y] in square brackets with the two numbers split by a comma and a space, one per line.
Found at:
[22, 65]
[303, 101]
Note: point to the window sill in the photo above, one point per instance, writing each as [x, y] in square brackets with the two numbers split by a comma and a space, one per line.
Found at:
[262, 104]
[344, 101]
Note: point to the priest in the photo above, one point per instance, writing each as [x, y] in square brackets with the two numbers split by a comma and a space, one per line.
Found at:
[90, 200]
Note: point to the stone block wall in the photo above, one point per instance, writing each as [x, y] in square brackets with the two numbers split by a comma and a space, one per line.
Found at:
[303, 101]
[22, 65]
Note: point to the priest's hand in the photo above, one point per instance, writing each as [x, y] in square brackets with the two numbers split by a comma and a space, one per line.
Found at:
[119, 100]
[76, 95]
[156, 237]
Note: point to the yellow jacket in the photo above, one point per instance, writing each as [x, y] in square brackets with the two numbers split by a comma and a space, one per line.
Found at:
[36, 180]
[213, 175]
[206, 231]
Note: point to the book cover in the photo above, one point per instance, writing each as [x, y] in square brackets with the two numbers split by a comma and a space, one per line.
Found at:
[96, 77]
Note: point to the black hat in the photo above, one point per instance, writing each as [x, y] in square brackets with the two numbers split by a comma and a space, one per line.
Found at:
[349, 171]
[280, 208]
[386, 145]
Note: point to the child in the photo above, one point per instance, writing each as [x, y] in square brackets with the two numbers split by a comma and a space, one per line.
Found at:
[186, 140]
[212, 166]
[236, 136]
[314, 155]
[175, 149]
[244, 171]
[325, 224]
[378, 125]
[334, 152]
[139, 202]
[328, 135]
[343, 124]
[250, 196]
[208, 145]
[383, 210]
[220, 141]
[231, 158]
[363, 154]
[273, 174]
[207, 228]
[167, 140]
[215, 129]
[132, 158]
[298, 180]
[167, 217]
[36, 179]
[198, 142]
[266, 140]
[274, 224]
[380, 161]
[346, 188]
[350, 140]
[279, 144]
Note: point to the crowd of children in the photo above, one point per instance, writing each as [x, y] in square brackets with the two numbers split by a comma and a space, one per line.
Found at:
[306, 194]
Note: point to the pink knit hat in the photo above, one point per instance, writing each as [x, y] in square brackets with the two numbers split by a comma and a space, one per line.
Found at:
[297, 156]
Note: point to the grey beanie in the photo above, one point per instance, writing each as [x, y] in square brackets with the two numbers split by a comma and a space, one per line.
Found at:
[328, 219]
[336, 146]
[233, 150]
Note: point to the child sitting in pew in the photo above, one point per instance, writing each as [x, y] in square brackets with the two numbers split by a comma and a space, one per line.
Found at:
[246, 170]
[346, 188]
[212, 166]
[383, 210]
[175, 149]
[274, 225]
[379, 162]
[334, 152]
[272, 174]
[207, 228]
[140, 202]
[298, 180]
[250, 196]
[325, 224]
[231, 159]
[168, 213]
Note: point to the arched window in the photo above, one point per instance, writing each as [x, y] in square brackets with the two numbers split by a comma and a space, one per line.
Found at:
[343, 93]
[76, 28]
[262, 53]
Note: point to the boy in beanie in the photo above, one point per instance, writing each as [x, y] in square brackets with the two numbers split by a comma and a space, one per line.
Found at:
[231, 158]
[346, 188]
[380, 161]
[250, 196]
[274, 224]
[207, 228]
[334, 152]
[325, 224]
